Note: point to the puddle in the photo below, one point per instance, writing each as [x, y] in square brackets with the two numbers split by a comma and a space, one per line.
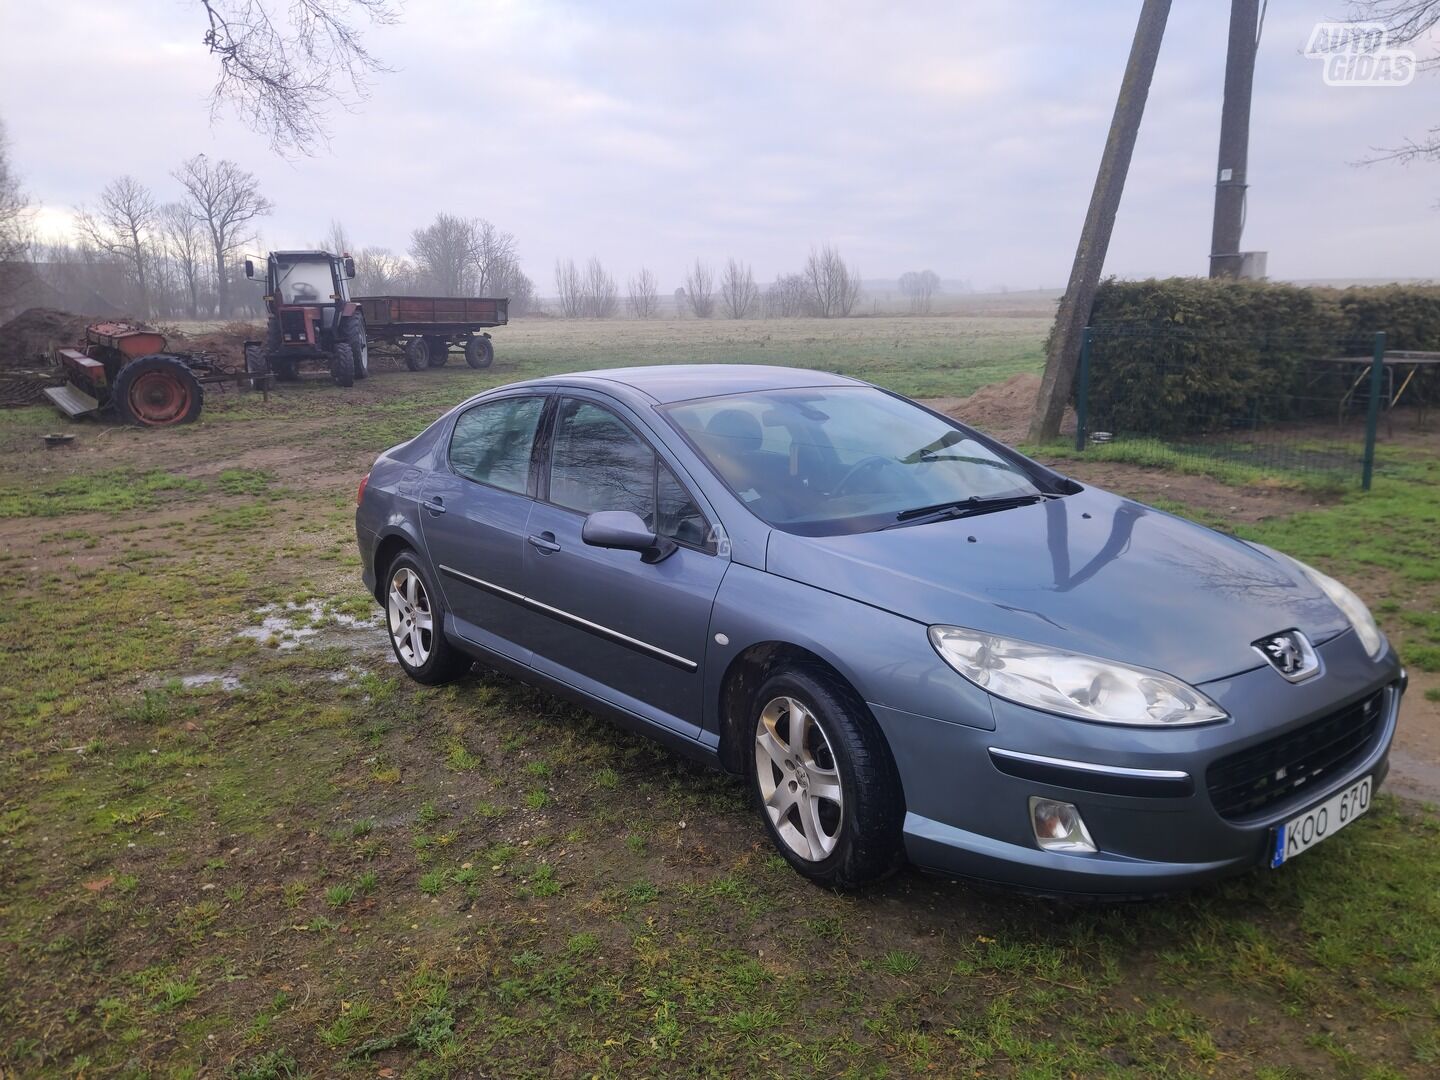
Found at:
[286, 626]
[224, 682]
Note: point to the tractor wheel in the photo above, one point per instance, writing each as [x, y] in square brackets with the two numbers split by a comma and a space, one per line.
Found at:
[272, 335]
[342, 365]
[352, 332]
[439, 351]
[479, 353]
[156, 391]
[417, 354]
[257, 365]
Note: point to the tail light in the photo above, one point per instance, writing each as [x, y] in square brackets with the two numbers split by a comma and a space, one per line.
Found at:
[360, 494]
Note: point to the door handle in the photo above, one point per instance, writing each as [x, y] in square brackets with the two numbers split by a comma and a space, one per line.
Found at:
[435, 505]
[544, 543]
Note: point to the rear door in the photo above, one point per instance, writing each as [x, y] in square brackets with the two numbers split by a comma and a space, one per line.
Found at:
[631, 632]
[474, 511]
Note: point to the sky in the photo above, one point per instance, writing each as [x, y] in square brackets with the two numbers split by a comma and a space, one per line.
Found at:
[955, 136]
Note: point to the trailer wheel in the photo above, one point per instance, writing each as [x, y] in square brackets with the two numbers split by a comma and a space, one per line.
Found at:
[257, 365]
[417, 354]
[352, 332]
[479, 353]
[342, 365]
[439, 351]
[156, 391]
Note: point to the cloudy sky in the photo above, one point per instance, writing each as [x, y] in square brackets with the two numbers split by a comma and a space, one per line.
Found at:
[955, 135]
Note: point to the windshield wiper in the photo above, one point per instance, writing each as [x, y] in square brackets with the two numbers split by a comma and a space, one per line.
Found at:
[959, 508]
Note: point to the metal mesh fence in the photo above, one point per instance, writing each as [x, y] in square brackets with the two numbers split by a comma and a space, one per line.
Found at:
[1303, 407]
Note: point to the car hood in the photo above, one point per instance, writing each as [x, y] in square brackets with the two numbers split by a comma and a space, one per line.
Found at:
[1090, 573]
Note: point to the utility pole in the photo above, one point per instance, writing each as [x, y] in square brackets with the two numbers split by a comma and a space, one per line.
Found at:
[1234, 139]
[1074, 313]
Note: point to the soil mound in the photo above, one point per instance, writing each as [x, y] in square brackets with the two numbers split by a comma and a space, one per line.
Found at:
[27, 340]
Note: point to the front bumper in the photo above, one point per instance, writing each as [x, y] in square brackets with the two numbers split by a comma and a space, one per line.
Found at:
[1153, 819]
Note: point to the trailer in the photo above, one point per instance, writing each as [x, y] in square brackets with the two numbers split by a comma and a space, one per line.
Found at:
[126, 369]
[427, 326]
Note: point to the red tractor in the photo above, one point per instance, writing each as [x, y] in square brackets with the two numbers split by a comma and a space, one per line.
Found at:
[311, 317]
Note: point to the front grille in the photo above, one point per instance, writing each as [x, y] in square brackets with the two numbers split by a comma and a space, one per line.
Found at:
[1252, 780]
[292, 325]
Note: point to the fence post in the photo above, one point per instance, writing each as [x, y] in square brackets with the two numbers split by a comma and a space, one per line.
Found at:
[1082, 391]
[1372, 414]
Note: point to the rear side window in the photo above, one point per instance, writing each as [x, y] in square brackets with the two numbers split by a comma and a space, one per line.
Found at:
[492, 442]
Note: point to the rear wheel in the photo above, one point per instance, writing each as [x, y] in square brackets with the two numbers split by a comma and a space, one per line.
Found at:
[156, 391]
[479, 353]
[416, 621]
[342, 365]
[439, 351]
[417, 354]
[828, 790]
[352, 332]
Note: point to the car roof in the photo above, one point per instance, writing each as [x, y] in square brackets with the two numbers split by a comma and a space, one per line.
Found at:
[665, 383]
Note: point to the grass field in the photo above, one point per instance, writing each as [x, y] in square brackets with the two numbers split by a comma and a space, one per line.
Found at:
[235, 842]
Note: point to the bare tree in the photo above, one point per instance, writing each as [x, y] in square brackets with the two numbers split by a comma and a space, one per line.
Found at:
[444, 251]
[700, 290]
[787, 297]
[832, 285]
[644, 302]
[121, 227]
[598, 289]
[494, 257]
[14, 223]
[738, 294]
[225, 200]
[379, 271]
[569, 288]
[336, 239]
[517, 286]
[1406, 22]
[185, 248]
[282, 72]
[920, 286]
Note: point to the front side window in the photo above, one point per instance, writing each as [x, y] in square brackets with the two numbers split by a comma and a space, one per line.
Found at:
[598, 463]
[492, 442]
[831, 459]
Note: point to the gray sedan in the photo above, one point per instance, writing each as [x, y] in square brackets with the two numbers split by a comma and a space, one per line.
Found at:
[911, 640]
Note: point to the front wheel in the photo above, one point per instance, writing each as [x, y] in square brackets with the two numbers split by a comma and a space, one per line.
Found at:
[826, 785]
[342, 365]
[416, 621]
[479, 352]
[417, 354]
[352, 332]
[257, 365]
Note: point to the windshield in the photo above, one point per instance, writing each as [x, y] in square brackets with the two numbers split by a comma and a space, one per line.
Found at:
[304, 281]
[823, 460]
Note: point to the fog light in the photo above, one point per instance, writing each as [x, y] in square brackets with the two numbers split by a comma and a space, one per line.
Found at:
[1058, 826]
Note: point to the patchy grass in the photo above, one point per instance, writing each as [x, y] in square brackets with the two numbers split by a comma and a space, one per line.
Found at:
[327, 870]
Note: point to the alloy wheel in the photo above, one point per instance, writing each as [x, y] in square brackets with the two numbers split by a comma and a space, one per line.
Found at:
[412, 625]
[799, 783]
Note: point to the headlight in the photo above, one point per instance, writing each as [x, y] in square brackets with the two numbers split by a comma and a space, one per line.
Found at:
[1350, 605]
[1072, 684]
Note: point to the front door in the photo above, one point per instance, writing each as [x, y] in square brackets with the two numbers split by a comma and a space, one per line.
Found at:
[474, 515]
[631, 632]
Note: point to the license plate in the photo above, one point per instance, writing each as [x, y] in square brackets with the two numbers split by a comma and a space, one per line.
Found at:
[1319, 822]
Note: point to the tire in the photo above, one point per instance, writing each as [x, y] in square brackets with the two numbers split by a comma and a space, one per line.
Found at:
[272, 335]
[423, 652]
[257, 365]
[853, 839]
[479, 352]
[157, 391]
[417, 354]
[439, 351]
[352, 332]
[342, 365]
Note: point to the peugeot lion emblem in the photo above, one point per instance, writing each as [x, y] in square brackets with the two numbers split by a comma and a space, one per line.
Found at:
[1290, 653]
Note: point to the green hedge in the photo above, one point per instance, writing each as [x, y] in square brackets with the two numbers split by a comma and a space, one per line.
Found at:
[1184, 355]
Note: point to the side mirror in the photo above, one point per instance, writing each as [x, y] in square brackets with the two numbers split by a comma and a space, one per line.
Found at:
[349, 266]
[250, 268]
[624, 530]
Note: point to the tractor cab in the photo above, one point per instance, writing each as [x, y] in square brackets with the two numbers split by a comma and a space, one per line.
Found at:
[311, 315]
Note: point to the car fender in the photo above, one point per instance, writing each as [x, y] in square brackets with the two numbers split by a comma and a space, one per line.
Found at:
[887, 659]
